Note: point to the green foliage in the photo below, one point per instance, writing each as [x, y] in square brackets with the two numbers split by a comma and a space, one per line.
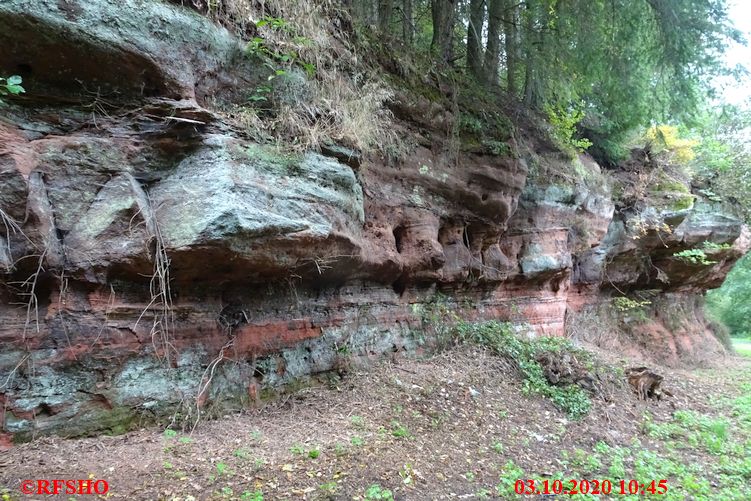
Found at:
[11, 86]
[277, 62]
[500, 337]
[252, 496]
[742, 347]
[715, 247]
[276, 23]
[731, 303]
[510, 473]
[398, 430]
[692, 430]
[723, 158]
[666, 138]
[498, 447]
[564, 121]
[694, 256]
[221, 469]
[357, 421]
[375, 492]
[624, 304]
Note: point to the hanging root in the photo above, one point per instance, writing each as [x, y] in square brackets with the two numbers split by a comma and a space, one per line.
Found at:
[204, 387]
[161, 299]
[11, 227]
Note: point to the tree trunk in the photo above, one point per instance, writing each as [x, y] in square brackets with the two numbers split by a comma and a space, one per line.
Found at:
[385, 7]
[493, 49]
[443, 28]
[474, 38]
[407, 30]
[510, 35]
[529, 42]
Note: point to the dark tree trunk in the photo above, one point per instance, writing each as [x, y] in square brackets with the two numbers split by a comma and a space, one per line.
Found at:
[474, 37]
[385, 7]
[443, 28]
[530, 60]
[407, 22]
[510, 35]
[493, 49]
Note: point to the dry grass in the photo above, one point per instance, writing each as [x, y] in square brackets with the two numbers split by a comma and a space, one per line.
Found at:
[332, 103]
[335, 113]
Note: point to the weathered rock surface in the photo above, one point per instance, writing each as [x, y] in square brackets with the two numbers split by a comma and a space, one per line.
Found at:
[168, 264]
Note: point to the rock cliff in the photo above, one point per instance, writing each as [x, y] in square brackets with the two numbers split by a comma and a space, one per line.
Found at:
[156, 261]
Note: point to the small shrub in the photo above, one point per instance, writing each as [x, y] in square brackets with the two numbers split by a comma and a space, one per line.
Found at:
[714, 247]
[221, 469]
[376, 492]
[252, 496]
[694, 256]
[500, 338]
[564, 121]
[398, 430]
[665, 138]
[357, 421]
[11, 86]
[510, 473]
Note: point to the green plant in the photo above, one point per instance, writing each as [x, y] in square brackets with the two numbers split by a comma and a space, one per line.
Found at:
[314, 453]
[221, 469]
[483, 493]
[694, 256]
[11, 86]
[564, 121]
[408, 474]
[501, 338]
[631, 309]
[297, 449]
[276, 23]
[252, 496]
[398, 430]
[169, 433]
[510, 473]
[376, 492]
[357, 441]
[498, 447]
[714, 247]
[328, 487]
[625, 305]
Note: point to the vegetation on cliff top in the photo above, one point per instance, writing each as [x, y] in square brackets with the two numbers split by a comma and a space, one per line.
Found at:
[597, 71]
[610, 66]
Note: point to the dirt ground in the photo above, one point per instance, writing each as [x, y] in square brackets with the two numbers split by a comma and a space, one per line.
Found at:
[457, 425]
